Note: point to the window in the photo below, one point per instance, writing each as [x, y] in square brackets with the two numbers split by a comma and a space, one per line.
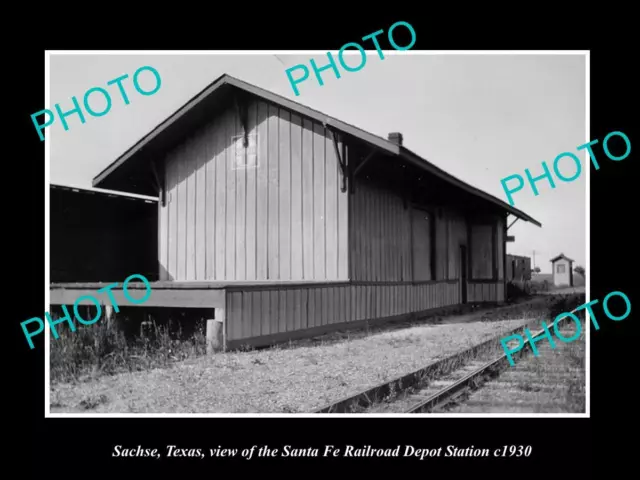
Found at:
[560, 268]
[423, 240]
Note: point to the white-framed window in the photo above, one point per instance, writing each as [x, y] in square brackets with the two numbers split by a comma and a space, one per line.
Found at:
[560, 268]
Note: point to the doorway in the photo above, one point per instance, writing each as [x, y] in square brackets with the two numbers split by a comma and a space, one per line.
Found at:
[463, 274]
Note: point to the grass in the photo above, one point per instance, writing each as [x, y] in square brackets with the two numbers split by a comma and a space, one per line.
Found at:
[102, 349]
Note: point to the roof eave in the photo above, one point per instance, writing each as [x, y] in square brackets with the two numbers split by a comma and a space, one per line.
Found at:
[105, 193]
[555, 259]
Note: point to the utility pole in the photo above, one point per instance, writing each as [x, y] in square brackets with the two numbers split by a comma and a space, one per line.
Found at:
[534, 259]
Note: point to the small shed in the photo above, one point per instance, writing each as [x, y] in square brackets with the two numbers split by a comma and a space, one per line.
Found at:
[562, 267]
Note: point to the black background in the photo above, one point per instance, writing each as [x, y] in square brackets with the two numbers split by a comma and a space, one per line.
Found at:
[81, 448]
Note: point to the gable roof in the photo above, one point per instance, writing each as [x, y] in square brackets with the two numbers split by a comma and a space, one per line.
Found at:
[192, 113]
[562, 255]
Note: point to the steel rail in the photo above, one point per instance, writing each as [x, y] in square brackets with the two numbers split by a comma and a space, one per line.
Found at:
[365, 399]
[447, 394]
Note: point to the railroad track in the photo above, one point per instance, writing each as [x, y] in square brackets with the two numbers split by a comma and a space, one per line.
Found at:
[440, 385]
[440, 394]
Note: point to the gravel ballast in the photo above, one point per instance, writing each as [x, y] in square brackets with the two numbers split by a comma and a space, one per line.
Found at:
[290, 380]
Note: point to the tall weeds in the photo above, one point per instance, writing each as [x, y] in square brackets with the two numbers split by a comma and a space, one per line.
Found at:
[103, 349]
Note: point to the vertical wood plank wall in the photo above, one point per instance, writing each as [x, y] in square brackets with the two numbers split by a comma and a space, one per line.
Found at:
[283, 217]
[381, 276]
[275, 311]
[262, 311]
[522, 270]
[380, 248]
[501, 246]
[487, 247]
[485, 292]
[380, 242]
[457, 236]
[482, 251]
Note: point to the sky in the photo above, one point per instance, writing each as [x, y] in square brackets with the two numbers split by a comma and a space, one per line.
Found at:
[479, 117]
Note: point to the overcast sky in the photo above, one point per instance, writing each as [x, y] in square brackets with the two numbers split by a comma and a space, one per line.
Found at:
[479, 117]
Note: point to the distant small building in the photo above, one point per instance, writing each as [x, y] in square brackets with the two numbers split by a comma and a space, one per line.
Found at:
[518, 268]
[562, 269]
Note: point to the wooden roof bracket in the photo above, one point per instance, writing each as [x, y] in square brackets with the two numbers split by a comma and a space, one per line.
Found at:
[364, 162]
[352, 181]
[517, 218]
[341, 159]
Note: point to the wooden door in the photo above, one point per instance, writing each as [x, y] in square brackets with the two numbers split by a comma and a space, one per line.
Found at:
[463, 274]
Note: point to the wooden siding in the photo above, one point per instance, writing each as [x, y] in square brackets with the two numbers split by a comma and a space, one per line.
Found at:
[380, 241]
[522, 270]
[485, 292]
[486, 248]
[258, 312]
[422, 239]
[500, 246]
[482, 251]
[457, 231]
[278, 214]
[382, 245]
[280, 311]
[441, 247]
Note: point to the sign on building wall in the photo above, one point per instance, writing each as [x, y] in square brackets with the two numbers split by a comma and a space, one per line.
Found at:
[246, 157]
